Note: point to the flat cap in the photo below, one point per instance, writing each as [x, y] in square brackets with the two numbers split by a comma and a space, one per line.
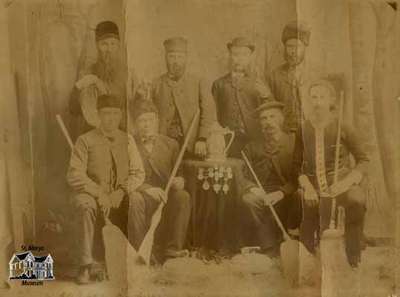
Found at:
[106, 29]
[241, 42]
[108, 101]
[142, 106]
[272, 103]
[175, 44]
[296, 30]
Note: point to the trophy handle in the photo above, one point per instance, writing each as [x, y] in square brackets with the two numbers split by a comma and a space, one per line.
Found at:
[232, 134]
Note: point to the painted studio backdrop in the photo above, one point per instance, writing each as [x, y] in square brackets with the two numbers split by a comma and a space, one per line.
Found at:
[46, 43]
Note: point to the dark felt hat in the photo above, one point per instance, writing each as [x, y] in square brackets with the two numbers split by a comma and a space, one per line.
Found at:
[142, 106]
[175, 44]
[269, 105]
[108, 101]
[106, 29]
[241, 42]
[296, 30]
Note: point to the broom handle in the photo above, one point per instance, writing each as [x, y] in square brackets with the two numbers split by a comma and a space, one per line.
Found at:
[181, 153]
[285, 234]
[64, 131]
[337, 155]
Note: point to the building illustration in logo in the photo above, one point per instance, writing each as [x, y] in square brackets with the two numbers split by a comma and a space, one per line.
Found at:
[26, 266]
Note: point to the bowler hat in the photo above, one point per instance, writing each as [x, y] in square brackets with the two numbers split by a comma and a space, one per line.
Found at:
[296, 30]
[108, 101]
[106, 29]
[241, 42]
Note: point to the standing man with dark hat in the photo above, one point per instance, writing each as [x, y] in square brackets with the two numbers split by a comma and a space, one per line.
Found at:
[238, 93]
[314, 158]
[104, 170]
[106, 76]
[159, 153]
[287, 81]
[271, 157]
[178, 94]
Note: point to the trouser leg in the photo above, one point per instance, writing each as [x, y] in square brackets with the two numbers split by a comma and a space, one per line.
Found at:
[141, 208]
[309, 226]
[86, 220]
[175, 221]
[354, 203]
[260, 221]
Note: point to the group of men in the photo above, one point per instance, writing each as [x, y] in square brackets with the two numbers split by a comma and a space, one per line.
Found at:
[121, 164]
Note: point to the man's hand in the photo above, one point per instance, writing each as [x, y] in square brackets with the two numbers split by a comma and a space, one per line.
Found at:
[116, 198]
[101, 87]
[262, 90]
[353, 178]
[273, 197]
[258, 192]
[144, 89]
[86, 81]
[178, 183]
[104, 202]
[157, 193]
[270, 198]
[310, 196]
[200, 148]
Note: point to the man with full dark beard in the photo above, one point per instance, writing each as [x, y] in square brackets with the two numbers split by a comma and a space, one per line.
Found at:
[178, 95]
[106, 76]
[287, 81]
[271, 159]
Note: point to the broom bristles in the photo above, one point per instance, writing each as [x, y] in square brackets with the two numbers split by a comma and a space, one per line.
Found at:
[334, 261]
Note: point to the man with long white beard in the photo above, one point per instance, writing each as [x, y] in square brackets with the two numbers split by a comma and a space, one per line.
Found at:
[106, 76]
[271, 159]
[287, 81]
[314, 157]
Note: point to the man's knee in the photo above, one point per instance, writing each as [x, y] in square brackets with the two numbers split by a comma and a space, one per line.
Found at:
[355, 197]
[85, 202]
[355, 204]
[251, 201]
[136, 200]
[181, 198]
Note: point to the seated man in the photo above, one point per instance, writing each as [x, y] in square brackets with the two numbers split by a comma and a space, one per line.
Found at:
[159, 153]
[315, 155]
[271, 159]
[104, 169]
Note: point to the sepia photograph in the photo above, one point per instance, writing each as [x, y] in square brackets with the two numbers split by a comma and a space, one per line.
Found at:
[200, 148]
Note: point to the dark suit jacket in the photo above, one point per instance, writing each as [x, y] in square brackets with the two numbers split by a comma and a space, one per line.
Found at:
[159, 163]
[350, 145]
[284, 91]
[227, 93]
[273, 169]
[187, 95]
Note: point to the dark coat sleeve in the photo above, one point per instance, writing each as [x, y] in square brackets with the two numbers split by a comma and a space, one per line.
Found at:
[352, 140]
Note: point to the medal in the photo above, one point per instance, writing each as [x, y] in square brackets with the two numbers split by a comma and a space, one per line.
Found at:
[206, 185]
[217, 188]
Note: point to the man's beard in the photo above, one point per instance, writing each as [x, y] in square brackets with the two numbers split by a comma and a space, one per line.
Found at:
[237, 68]
[108, 66]
[176, 71]
[294, 61]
